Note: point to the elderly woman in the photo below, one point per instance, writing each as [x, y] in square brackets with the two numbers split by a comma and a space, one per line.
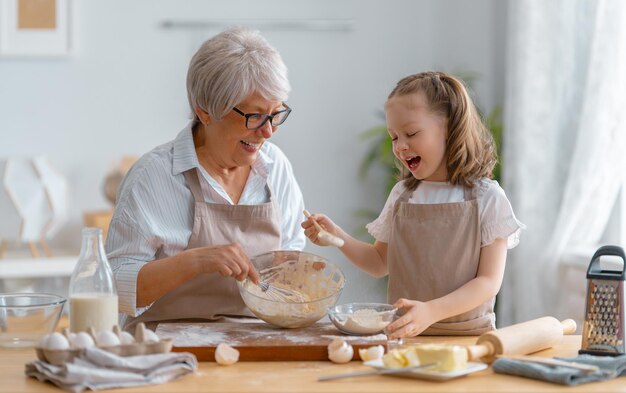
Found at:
[192, 212]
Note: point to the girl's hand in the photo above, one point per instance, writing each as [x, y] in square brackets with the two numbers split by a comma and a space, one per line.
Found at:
[417, 317]
[326, 223]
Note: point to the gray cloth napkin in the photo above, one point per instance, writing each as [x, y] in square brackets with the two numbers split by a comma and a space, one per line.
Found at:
[610, 367]
[97, 370]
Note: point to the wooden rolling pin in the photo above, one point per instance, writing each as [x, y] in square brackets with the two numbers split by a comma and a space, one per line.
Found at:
[520, 339]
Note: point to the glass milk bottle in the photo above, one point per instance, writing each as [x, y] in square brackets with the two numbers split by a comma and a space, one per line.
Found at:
[92, 293]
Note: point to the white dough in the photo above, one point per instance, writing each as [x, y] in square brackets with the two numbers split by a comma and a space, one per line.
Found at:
[371, 353]
[225, 355]
[328, 239]
[340, 351]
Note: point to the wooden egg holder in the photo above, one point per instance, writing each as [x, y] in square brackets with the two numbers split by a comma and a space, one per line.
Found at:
[59, 357]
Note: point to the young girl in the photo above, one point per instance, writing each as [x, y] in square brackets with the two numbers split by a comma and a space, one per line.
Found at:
[443, 234]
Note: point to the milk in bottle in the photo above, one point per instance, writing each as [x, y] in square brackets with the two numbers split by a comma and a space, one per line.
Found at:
[92, 293]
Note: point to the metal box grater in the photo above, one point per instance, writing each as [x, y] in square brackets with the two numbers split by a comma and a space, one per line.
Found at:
[603, 330]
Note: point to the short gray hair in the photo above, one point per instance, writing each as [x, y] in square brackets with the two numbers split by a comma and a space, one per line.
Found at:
[229, 67]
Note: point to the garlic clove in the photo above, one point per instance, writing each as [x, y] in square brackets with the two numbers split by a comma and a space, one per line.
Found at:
[339, 351]
[226, 355]
[371, 353]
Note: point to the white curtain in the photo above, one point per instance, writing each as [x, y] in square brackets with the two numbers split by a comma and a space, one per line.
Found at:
[564, 140]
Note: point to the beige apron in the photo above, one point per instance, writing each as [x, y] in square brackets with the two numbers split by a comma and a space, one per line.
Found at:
[211, 296]
[433, 250]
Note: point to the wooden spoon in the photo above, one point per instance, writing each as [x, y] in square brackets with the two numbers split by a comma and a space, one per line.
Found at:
[325, 237]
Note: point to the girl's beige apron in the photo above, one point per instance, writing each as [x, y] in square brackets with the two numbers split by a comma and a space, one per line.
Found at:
[433, 250]
[211, 296]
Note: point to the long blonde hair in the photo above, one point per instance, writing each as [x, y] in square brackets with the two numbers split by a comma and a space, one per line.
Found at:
[470, 149]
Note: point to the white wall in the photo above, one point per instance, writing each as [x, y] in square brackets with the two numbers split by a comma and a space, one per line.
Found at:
[123, 90]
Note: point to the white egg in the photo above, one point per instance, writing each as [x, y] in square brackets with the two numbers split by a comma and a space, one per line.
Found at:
[340, 351]
[126, 338]
[150, 336]
[82, 340]
[371, 353]
[57, 341]
[107, 339]
[225, 355]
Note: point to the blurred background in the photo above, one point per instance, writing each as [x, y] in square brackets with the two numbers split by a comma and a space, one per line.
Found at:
[547, 76]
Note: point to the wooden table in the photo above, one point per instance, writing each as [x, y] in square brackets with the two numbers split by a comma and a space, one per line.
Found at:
[302, 377]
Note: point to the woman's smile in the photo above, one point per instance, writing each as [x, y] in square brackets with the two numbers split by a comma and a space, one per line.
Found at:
[251, 147]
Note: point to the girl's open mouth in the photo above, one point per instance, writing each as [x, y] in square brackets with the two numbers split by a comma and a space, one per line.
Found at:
[413, 163]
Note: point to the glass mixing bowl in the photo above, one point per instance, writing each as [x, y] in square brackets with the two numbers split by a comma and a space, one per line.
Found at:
[317, 282]
[362, 318]
[26, 317]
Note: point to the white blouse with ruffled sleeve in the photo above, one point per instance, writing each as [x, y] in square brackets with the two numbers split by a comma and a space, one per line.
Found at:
[497, 219]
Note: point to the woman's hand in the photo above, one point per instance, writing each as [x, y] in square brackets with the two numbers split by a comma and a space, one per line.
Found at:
[326, 223]
[418, 317]
[229, 260]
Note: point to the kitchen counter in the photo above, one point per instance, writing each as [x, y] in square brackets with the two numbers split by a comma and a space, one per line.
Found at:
[302, 377]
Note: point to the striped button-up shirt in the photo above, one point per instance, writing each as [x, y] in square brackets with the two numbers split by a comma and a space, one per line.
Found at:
[153, 217]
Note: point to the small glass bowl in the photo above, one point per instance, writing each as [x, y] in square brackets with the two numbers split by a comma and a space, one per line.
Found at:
[26, 317]
[362, 319]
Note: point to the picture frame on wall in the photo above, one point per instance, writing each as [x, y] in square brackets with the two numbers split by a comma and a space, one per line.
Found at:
[34, 28]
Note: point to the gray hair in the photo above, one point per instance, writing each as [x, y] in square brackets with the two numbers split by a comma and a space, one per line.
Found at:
[229, 67]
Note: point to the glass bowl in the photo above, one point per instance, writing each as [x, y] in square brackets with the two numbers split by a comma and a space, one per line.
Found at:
[317, 282]
[362, 318]
[26, 317]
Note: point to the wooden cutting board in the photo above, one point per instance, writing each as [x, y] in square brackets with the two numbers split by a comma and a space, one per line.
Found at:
[260, 341]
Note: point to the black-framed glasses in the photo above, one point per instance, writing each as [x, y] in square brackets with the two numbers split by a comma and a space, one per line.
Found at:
[254, 121]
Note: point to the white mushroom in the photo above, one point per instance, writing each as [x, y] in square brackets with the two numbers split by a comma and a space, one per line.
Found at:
[226, 355]
[340, 351]
[371, 353]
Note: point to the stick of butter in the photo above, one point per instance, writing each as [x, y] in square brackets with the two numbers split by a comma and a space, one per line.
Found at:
[447, 357]
[395, 359]
[398, 358]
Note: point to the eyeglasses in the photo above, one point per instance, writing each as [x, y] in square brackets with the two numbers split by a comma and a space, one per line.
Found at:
[254, 121]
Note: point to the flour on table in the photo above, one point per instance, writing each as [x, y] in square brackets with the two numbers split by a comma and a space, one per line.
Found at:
[190, 335]
[209, 334]
[376, 337]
